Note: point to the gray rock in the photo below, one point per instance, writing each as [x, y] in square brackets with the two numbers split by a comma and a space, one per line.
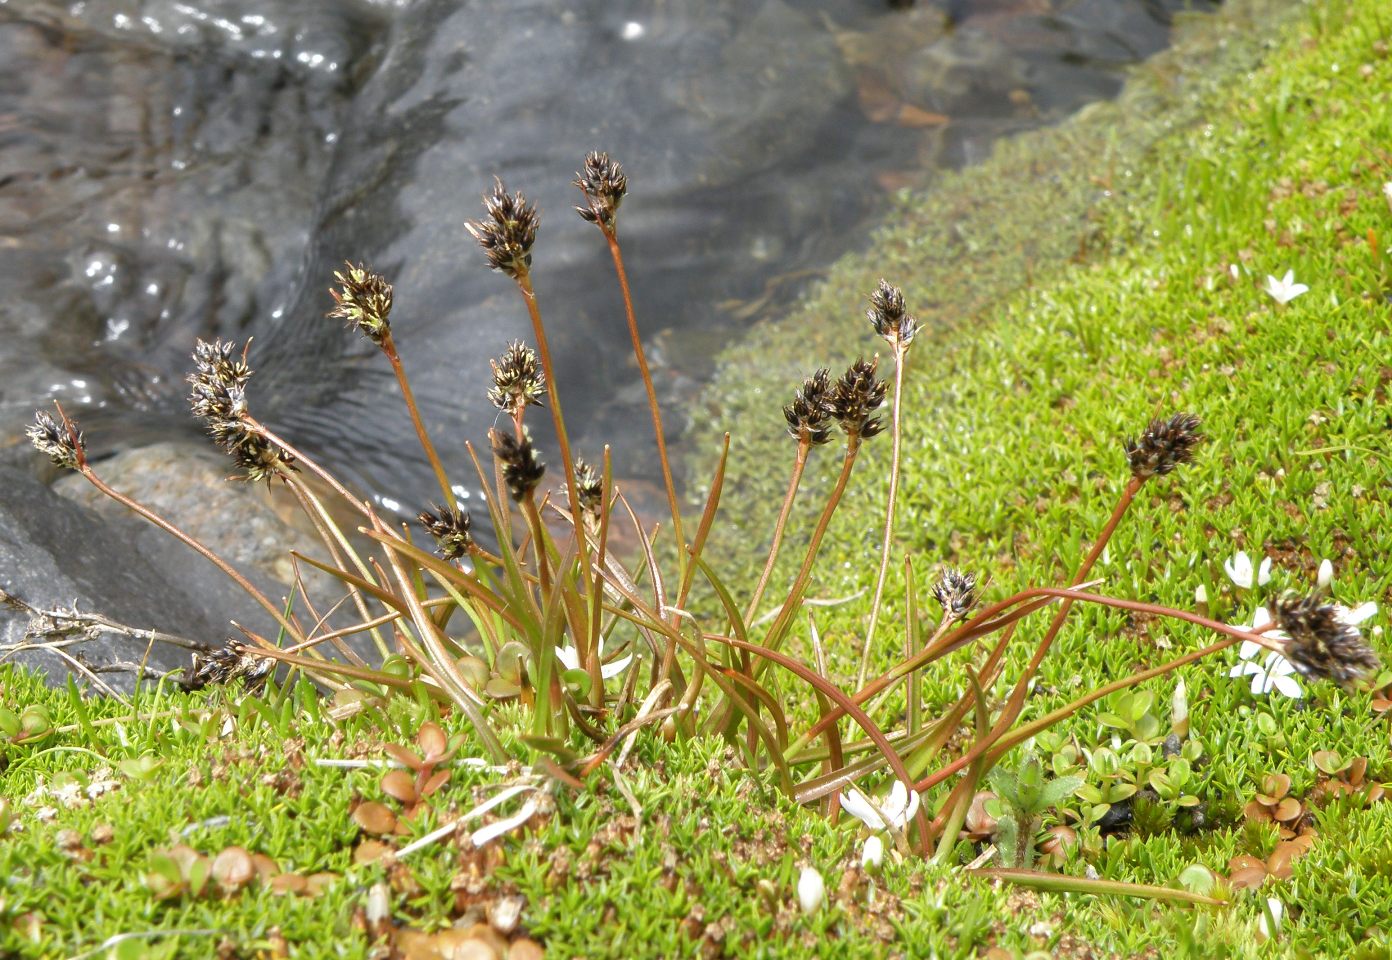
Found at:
[56, 554]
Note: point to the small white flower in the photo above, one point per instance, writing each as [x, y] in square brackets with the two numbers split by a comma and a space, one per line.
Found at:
[570, 659]
[873, 853]
[1358, 614]
[1239, 570]
[1272, 927]
[1387, 192]
[69, 794]
[1272, 674]
[1285, 290]
[892, 813]
[1326, 574]
[1200, 594]
[811, 890]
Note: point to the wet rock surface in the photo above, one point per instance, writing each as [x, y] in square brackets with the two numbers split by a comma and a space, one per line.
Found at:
[181, 169]
[56, 554]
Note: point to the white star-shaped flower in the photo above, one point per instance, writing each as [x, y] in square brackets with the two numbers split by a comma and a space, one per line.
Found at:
[1275, 673]
[1285, 290]
[1239, 570]
[892, 813]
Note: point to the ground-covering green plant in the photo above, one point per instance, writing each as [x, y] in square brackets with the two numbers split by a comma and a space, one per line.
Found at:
[1131, 558]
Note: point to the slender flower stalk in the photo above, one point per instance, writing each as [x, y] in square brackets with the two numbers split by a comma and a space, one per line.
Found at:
[65, 445]
[809, 425]
[364, 300]
[892, 322]
[604, 186]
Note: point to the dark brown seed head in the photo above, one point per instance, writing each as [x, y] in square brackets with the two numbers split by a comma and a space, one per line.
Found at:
[450, 528]
[521, 469]
[234, 661]
[507, 230]
[60, 440]
[1164, 445]
[809, 420]
[1322, 643]
[589, 488]
[955, 592]
[364, 300]
[855, 397]
[888, 316]
[604, 185]
[217, 394]
[518, 379]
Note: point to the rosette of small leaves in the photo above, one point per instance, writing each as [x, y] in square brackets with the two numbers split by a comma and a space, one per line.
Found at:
[363, 300]
[855, 397]
[1164, 445]
[522, 471]
[59, 440]
[604, 184]
[809, 420]
[518, 379]
[450, 528]
[507, 231]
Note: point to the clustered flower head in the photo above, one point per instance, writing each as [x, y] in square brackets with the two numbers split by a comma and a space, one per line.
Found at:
[1322, 642]
[59, 440]
[508, 230]
[888, 316]
[855, 397]
[604, 185]
[218, 398]
[809, 420]
[230, 662]
[364, 301]
[518, 380]
[955, 592]
[589, 487]
[450, 528]
[522, 471]
[1164, 445]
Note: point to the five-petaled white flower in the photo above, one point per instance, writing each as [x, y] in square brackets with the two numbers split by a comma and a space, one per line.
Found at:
[892, 813]
[811, 889]
[1274, 673]
[1239, 570]
[570, 659]
[1285, 290]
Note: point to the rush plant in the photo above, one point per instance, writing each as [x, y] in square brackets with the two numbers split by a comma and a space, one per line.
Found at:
[595, 645]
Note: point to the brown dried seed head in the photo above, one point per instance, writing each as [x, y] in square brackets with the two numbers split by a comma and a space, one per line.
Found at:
[589, 487]
[59, 440]
[888, 316]
[604, 184]
[364, 300]
[521, 469]
[809, 420]
[855, 397]
[450, 528]
[1164, 445]
[1322, 643]
[507, 231]
[518, 380]
[955, 592]
[217, 394]
[232, 661]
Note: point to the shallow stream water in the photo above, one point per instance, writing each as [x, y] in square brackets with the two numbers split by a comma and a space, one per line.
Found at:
[180, 169]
